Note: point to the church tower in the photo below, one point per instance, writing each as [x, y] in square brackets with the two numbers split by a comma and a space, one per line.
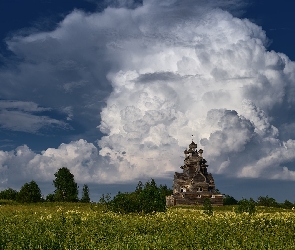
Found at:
[194, 184]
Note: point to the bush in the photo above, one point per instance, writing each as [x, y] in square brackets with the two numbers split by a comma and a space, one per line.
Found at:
[30, 192]
[146, 198]
[8, 194]
[247, 206]
[125, 203]
[287, 204]
[207, 207]
[267, 201]
[229, 200]
[50, 197]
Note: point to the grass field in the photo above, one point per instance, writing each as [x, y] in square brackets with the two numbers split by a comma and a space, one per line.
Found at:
[90, 226]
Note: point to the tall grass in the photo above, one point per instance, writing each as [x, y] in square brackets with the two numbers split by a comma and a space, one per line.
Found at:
[91, 226]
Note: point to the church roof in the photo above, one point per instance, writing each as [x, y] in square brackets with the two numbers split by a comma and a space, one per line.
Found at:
[190, 151]
[193, 145]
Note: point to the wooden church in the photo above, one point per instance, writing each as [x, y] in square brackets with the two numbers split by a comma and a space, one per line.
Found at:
[194, 184]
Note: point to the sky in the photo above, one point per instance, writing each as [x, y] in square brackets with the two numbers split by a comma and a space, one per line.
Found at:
[114, 91]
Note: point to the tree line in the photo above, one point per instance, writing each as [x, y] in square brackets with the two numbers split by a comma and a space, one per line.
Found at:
[264, 201]
[146, 198]
[66, 189]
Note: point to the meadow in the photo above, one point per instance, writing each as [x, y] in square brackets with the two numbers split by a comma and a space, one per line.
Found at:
[92, 226]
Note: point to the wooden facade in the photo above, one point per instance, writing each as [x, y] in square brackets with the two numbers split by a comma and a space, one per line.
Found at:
[194, 184]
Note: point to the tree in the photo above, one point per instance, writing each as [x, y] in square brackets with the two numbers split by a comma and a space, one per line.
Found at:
[146, 198]
[50, 197]
[85, 194]
[247, 206]
[8, 194]
[66, 187]
[229, 200]
[152, 198]
[30, 192]
[125, 203]
[207, 207]
[105, 199]
[267, 201]
[165, 190]
[287, 204]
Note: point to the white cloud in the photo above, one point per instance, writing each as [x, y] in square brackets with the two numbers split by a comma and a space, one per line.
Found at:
[210, 76]
[79, 156]
[166, 71]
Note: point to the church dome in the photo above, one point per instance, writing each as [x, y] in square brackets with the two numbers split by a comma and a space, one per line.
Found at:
[190, 151]
[193, 145]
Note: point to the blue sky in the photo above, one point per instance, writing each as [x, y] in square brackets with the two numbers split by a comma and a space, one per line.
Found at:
[113, 90]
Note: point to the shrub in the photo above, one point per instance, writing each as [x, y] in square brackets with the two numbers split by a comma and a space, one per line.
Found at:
[229, 200]
[267, 201]
[207, 207]
[50, 197]
[146, 198]
[247, 206]
[30, 192]
[8, 194]
[287, 204]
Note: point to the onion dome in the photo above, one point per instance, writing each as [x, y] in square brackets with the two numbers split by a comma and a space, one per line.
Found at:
[201, 151]
[190, 151]
[193, 145]
[185, 152]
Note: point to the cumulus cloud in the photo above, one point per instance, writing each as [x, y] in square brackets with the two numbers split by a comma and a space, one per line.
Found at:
[208, 74]
[165, 70]
[75, 155]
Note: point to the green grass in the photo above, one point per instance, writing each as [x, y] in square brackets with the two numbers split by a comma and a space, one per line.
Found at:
[90, 226]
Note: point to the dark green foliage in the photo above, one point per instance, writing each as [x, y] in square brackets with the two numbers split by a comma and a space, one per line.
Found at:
[8, 194]
[207, 207]
[66, 187]
[229, 200]
[139, 187]
[50, 197]
[217, 191]
[267, 202]
[104, 199]
[85, 194]
[146, 198]
[30, 192]
[165, 190]
[125, 203]
[247, 206]
[287, 204]
[152, 198]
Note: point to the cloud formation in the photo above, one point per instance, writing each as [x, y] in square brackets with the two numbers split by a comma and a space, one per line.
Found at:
[165, 71]
[209, 75]
[21, 116]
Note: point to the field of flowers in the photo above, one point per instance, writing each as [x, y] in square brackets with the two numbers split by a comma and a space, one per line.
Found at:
[89, 226]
